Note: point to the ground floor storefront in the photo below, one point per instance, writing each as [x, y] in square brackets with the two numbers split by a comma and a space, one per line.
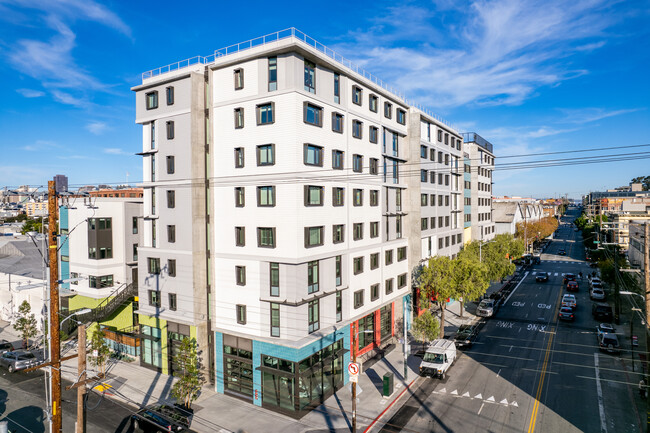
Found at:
[160, 342]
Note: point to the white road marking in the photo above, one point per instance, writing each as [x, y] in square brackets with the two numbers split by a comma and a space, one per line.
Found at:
[504, 401]
[466, 394]
[556, 274]
[534, 272]
[481, 408]
[510, 349]
[491, 399]
[479, 396]
[514, 403]
[454, 392]
[516, 287]
[601, 409]
[499, 372]
[443, 390]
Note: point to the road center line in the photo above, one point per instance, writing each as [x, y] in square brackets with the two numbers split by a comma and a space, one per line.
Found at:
[516, 287]
[480, 409]
[601, 409]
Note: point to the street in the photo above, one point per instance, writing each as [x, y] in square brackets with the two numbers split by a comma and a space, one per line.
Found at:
[530, 372]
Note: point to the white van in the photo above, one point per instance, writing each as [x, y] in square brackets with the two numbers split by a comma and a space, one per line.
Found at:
[438, 358]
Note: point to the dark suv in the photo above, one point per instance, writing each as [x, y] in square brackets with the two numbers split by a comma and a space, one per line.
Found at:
[162, 418]
[602, 312]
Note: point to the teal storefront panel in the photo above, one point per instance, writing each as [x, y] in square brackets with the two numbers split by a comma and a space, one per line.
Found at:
[218, 358]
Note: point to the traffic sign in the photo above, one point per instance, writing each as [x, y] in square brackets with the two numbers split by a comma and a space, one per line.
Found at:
[353, 369]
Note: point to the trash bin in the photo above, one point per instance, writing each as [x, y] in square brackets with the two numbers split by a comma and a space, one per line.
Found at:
[388, 384]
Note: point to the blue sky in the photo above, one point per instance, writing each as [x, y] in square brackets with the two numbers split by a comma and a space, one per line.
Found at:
[529, 76]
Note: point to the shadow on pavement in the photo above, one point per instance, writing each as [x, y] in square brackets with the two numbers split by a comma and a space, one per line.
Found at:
[28, 419]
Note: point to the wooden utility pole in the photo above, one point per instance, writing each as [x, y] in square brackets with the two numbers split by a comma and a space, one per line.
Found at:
[55, 351]
[646, 272]
[81, 391]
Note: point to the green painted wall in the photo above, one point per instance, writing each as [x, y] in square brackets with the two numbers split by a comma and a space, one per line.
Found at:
[164, 338]
[120, 320]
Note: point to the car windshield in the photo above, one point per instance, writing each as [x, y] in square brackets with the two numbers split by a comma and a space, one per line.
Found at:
[26, 356]
[485, 304]
[434, 358]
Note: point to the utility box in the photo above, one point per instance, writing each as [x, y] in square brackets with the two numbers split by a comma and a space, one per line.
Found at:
[388, 384]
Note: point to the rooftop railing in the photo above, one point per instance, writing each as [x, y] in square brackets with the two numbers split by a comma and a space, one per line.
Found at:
[473, 137]
[291, 32]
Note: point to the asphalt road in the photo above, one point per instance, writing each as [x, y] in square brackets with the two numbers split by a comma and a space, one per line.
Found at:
[22, 402]
[529, 372]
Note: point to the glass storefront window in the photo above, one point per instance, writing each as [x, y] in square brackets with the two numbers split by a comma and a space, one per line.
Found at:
[386, 322]
[366, 324]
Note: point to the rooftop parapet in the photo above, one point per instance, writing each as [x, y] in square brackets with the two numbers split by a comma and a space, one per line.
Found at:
[473, 137]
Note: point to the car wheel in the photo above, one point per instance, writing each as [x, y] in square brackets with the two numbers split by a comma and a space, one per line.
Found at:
[11, 368]
[442, 375]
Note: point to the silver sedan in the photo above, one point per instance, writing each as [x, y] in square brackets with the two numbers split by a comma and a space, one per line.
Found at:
[18, 360]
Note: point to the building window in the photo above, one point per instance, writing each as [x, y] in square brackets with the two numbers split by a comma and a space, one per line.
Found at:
[273, 74]
[171, 234]
[357, 94]
[339, 307]
[153, 233]
[374, 166]
[374, 292]
[312, 277]
[172, 301]
[241, 314]
[374, 197]
[100, 282]
[239, 196]
[357, 231]
[265, 113]
[240, 275]
[357, 128]
[446, 138]
[314, 195]
[432, 179]
[275, 320]
[239, 78]
[373, 133]
[423, 175]
[239, 157]
[310, 76]
[401, 116]
[401, 281]
[357, 163]
[338, 196]
[338, 233]
[171, 267]
[240, 236]
[374, 229]
[424, 223]
[337, 88]
[357, 265]
[389, 257]
[337, 159]
[239, 118]
[313, 155]
[92, 252]
[313, 236]
[439, 135]
[357, 197]
[154, 298]
[266, 237]
[171, 199]
[338, 271]
[358, 300]
[266, 154]
[152, 100]
[170, 129]
[153, 168]
[373, 102]
[388, 110]
[389, 286]
[274, 277]
[134, 225]
[423, 152]
[170, 95]
[170, 164]
[313, 316]
[135, 252]
[401, 254]
[265, 196]
[423, 199]
[337, 122]
[374, 261]
[312, 114]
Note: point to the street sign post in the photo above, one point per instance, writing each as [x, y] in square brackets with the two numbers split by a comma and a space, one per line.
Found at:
[353, 370]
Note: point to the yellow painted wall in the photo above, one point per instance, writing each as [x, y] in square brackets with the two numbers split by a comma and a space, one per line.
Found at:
[121, 319]
[467, 234]
[164, 338]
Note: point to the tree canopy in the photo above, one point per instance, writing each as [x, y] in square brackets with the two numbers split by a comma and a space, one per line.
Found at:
[644, 180]
[426, 328]
[496, 255]
[190, 379]
[435, 283]
[26, 323]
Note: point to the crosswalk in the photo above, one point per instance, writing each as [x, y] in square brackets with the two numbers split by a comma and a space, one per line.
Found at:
[479, 396]
[551, 274]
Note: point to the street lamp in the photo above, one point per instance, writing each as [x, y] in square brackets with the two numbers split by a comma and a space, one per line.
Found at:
[354, 384]
[78, 312]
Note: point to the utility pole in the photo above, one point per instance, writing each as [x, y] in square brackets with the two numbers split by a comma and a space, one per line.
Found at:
[55, 352]
[646, 272]
[81, 366]
[617, 297]
[355, 333]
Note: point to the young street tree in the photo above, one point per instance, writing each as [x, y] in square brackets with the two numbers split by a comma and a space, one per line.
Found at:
[425, 328]
[496, 255]
[26, 323]
[435, 283]
[97, 343]
[190, 378]
[469, 279]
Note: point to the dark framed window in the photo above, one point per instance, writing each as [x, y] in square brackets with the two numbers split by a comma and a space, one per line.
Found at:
[314, 195]
[373, 134]
[338, 270]
[401, 254]
[266, 237]
[339, 307]
[388, 110]
[374, 292]
[240, 236]
[423, 152]
[134, 225]
[274, 277]
[171, 166]
[358, 299]
[153, 264]
[357, 197]
[154, 298]
[338, 233]
[439, 135]
[312, 114]
[401, 116]
[239, 118]
[170, 95]
[239, 196]
[357, 265]
[338, 159]
[389, 286]
[374, 166]
[432, 155]
[313, 155]
[337, 88]
[357, 231]
[266, 196]
[265, 113]
[357, 95]
[239, 78]
[373, 102]
[432, 178]
[171, 267]
[423, 199]
[424, 223]
[388, 257]
[172, 301]
[312, 277]
[310, 76]
[314, 236]
[275, 320]
[171, 199]
[357, 129]
[313, 316]
[423, 175]
[374, 261]
[171, 233]
[170, 129]
[337, 122]
[266, 154]
[151, 99]
[240, 275]
[241, 314]
[239, 157]
[357, 163]
[135, 253]
[374, 197]
[401, 281]
[374, 229]
[338, 196]
[273, 74]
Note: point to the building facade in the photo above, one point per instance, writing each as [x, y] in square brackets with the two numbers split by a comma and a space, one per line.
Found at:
[481, 157]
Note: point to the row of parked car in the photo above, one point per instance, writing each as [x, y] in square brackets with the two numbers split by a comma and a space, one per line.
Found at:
[15, 360]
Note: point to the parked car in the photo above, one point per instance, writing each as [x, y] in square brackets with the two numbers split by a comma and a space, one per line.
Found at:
[438, 358]
[541, 277]
[485, 308]
[605, 328]
[569, 301]
[608, 343]
[18, 360]
[5, 347]
[566, 313]
[594, 280]
[602, 312]
[572, 286]
[158, 418]
[569, 277]
[597, 294]
[561, 253]
[465, 335]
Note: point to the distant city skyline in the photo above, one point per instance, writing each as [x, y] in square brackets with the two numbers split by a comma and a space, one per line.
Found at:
[530, 78]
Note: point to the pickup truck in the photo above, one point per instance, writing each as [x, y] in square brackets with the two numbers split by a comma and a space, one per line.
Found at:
[486, 308]
[438, 358]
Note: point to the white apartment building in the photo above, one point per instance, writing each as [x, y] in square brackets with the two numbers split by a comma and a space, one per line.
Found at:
[481, 157]
[280, 182]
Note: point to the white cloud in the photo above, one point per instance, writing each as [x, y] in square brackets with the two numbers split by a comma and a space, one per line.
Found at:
[40, 145]
[115, 151]
[592, 114]
[30, 93]
[97, 127]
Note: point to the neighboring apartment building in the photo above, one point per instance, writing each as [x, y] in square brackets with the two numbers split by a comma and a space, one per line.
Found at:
[35, 209]
[481, 156]
[638, 247]
[281, 222]
[467, 198]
